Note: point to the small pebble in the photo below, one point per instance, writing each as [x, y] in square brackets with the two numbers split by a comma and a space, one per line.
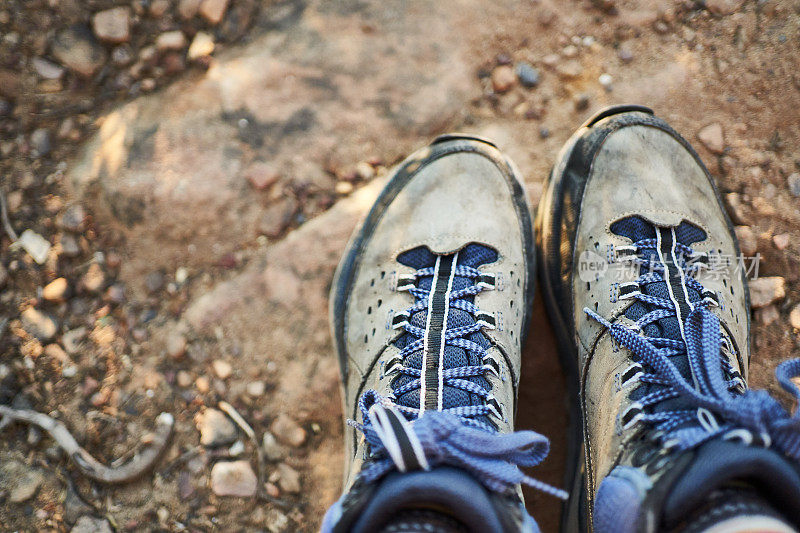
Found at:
[20, 481]
[90, 524]
[606, 81]
[569, 69]
[40, 142]
[277, 217]
[94, 279]
[222, 369]
[343, 188]
[582, 102]
[278, 521]
[261, 175]
[183, 379]
[215, 428]
[528, 75]
[154, 282]
[781, 241]
[73, 218]
[188, 8]
[767, 315]
[661, 27]
[181, 275]
[256, 389]
[37, 246]
[171, 40]
[112, 25]
[202, 384]
[766, 290]
[712, 138]
[723, 7]
[793, 181]
[236, 449]
[158, 8]
[176, 345]
[69, 245]
[39, 324]
[202, 46]
[289, 479]
[76, 48]
[503, 79]
[365, 171]
[551, 60]
[272, 490]
[794, 317]
[56, 290]
[233, 478]
[213, 10]
[273, 450]
[47, 69]
[115, 294]
[288, 431]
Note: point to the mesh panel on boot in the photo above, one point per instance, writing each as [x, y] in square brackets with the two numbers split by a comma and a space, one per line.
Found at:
[473, 255]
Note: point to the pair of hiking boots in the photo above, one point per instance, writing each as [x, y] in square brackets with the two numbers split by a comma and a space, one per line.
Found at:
[640, 270]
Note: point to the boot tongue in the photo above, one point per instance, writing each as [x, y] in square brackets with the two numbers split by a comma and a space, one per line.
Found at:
[472, 255]
[445, 489]
[719, 464]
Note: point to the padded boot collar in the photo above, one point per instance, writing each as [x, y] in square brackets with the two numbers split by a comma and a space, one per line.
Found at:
[722, 463]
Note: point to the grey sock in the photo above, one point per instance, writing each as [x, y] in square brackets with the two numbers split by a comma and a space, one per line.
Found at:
[422, 521]
[727, 504]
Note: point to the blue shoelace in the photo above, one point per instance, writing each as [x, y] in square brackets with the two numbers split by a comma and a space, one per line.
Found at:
[404, 437]
[713, 403]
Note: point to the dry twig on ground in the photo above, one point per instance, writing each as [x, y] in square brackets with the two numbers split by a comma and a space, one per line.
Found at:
[88, 465]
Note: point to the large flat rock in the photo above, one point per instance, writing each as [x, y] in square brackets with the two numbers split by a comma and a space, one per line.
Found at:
[327, 85]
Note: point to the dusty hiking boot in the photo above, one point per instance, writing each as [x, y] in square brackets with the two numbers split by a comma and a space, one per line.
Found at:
[654, 324]
[429, 309]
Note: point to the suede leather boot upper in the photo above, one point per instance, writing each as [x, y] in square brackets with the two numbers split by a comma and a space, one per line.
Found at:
[642, 276]
[429, 308]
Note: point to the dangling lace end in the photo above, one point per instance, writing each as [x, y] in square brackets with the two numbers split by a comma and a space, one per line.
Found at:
[546, 488]
[597, 317]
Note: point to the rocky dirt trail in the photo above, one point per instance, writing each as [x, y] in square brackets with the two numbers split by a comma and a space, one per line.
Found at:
[188, 237]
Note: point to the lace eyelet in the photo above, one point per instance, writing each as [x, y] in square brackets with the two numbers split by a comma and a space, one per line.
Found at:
[630, 374]
[494, 406]
[631, 416]
[491, 365]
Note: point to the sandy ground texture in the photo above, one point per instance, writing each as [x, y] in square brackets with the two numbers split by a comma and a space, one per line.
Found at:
[188, 226]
